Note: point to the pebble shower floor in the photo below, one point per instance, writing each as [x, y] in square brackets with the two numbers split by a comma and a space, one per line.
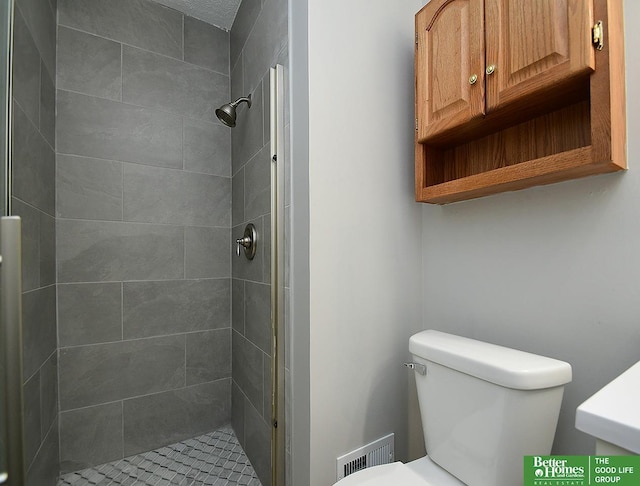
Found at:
[212, 459]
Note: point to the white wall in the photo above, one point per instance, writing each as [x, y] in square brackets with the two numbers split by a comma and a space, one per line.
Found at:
[553, 270]
[364, 239]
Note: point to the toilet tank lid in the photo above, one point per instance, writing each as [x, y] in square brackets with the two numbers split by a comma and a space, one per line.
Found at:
[503, 366]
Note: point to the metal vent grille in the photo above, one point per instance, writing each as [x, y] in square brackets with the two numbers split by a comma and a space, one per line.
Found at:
[376, 453]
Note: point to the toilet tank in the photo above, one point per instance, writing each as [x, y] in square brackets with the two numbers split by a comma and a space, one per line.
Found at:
[484, 407]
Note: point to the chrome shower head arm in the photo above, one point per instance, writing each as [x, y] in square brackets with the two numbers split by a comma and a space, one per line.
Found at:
[245, 99]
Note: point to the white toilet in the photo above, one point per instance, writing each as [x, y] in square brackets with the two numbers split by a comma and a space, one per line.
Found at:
[484, 407]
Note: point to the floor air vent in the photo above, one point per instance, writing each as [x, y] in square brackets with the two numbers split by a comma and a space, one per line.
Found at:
[373, 454]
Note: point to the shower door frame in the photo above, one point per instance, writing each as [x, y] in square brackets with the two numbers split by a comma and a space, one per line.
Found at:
[278, 343]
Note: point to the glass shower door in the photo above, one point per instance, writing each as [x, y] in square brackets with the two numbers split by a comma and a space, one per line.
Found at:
[12, 469]
[4, 53]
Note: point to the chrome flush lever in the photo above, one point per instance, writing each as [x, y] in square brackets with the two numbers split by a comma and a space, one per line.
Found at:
[417, 367]
[248, 241]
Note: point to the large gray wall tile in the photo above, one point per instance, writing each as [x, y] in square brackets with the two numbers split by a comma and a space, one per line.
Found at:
[156, 195]
[247, 141]
[247, 368]
[257, 300]
[266, 112]
[257, 184]
[208, 356]
[266, 266]
[94, 251]
[32, 417]
[47, 249]
[26, 69]
[237, 411]
[157, 81]
[141, 23]
[41, 20]
[45, 468]
[207, 147]
[207, 252]
[206, 45]
[90, 436]
[185, 413]
[48, 393]
[266, 389]
[89, 64]
[258, 443]
[245, 19]
[100, 373]
[30, 243]
[237, 198]
[158, 308]
[265, 42]
[107, 129]
[38, 327]
[48, 108]
[237, 81]
[88, 188]
[237, 305]
[89, 313]
[34, 164]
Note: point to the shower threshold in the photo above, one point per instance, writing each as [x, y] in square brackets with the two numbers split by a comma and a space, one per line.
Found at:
[211, 459]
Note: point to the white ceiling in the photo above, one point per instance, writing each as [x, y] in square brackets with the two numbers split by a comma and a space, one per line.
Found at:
[220, 13]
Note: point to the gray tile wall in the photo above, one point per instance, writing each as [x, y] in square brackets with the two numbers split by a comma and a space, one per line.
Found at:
[34, 201]
[143, 208]
[258, 41]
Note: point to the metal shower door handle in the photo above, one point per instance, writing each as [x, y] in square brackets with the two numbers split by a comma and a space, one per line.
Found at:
[249, 242]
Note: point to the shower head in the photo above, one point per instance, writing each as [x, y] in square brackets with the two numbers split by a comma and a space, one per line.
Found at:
[227, 112]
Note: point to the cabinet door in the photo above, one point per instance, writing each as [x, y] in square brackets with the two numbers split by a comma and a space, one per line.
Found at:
[535, 47]
[449, 51]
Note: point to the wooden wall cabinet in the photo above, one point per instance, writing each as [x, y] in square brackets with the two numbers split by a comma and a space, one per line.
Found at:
[514, 93]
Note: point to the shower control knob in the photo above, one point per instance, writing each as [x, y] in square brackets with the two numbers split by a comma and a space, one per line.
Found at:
[248, 241]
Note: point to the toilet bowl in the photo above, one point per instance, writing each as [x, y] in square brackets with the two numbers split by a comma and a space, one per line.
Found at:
[483, 407]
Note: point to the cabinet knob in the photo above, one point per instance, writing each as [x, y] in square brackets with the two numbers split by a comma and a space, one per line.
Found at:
[491, 68]
[473, 78]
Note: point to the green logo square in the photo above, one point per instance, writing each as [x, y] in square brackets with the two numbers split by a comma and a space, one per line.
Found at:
[581, 470]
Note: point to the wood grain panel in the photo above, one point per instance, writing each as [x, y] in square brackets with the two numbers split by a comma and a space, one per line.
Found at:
[536, 46]
[450, 50]
[448, 39]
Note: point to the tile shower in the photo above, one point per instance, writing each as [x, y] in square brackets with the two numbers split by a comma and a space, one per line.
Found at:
[143, 206]
[130, 192]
